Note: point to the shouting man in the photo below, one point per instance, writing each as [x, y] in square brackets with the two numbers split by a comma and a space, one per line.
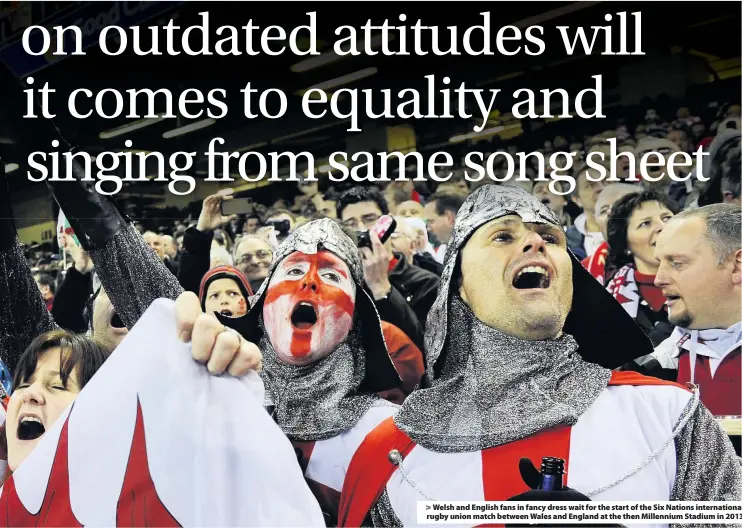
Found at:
[519, 345]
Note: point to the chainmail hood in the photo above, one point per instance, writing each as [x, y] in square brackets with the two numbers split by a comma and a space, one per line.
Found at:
[594, 314]
[495, 388]
[486, 388]
[321, 400]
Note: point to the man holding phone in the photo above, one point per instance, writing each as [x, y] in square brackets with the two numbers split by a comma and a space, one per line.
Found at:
[282, 221]
[403, 293]
[252, 254]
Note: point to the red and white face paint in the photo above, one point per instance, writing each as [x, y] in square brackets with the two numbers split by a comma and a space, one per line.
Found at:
[309, 305]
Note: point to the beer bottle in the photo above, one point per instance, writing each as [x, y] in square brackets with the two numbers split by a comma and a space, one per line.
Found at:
[552, 472]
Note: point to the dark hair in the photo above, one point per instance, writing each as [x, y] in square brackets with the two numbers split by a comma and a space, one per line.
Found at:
[560, 183]
[712, 192]
[618, 225]
[399, 196]
[730, 172]
[255, 216]
[359, 194]
[447, 202]
[47, 280]
[456, 177]
[678, 127]
[78, 352]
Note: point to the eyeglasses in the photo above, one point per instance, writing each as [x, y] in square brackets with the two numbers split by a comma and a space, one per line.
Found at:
[261, 254]
[368, 220]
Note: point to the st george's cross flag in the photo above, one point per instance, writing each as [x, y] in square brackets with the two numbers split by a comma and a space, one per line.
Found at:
[155, 440]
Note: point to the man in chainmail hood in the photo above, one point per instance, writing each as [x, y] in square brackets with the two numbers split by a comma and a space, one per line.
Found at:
[324, 354]
[520, 342]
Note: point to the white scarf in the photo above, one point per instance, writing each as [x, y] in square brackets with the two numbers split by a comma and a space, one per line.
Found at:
[713, 343]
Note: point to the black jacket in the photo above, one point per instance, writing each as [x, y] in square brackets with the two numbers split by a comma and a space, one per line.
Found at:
[417, 286]
[70, 301]
[195, 258]
[394, 309]
[428, 263]
[413, 292]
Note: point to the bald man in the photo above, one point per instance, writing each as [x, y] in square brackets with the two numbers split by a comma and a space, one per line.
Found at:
[153, 241]
[169, 246]
[404, 240]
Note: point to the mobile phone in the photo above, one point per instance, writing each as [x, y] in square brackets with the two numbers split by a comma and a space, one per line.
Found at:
[281, 226]
[383, 228]
[237, 206]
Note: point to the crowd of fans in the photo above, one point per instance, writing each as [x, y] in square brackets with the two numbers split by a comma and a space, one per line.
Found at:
[668, 253]
[425, 214]
[613, 228]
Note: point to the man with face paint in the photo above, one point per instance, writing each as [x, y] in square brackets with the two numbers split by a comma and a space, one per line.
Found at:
[520, 345]
[308, 307]
[323, 347]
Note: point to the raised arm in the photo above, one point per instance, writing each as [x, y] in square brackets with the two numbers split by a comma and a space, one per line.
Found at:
[131, 273]
[23, 314]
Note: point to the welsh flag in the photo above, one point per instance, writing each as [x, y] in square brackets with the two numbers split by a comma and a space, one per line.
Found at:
[64, 228]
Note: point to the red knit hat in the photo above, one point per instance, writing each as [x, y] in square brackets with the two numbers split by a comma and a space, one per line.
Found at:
[224, 272]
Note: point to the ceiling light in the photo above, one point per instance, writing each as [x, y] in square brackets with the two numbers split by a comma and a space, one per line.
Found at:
[130, 127]
[10, 167]
[331, 56]
[344, 79]
[329, 168]
[188, 128]
[253, 146]
[474, 135]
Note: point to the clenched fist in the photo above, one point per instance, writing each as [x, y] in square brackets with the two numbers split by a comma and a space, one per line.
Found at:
[218, 347]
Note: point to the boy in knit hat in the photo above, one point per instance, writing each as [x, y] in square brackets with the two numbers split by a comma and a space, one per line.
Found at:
[225, 290]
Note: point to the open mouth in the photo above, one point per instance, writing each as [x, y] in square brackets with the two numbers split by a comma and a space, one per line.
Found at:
[546, 201]
[304, 316]
[116, 321]
[226, 312]
[672, 298]
[30, 428]
[532, 277]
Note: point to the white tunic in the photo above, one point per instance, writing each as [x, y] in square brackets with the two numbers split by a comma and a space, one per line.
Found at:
[619, 432]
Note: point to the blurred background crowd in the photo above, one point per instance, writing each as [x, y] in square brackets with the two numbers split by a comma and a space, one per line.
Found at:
[425, 210]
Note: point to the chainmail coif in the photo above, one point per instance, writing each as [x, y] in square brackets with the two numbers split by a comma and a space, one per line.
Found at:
[495, 388]
[320, 400]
